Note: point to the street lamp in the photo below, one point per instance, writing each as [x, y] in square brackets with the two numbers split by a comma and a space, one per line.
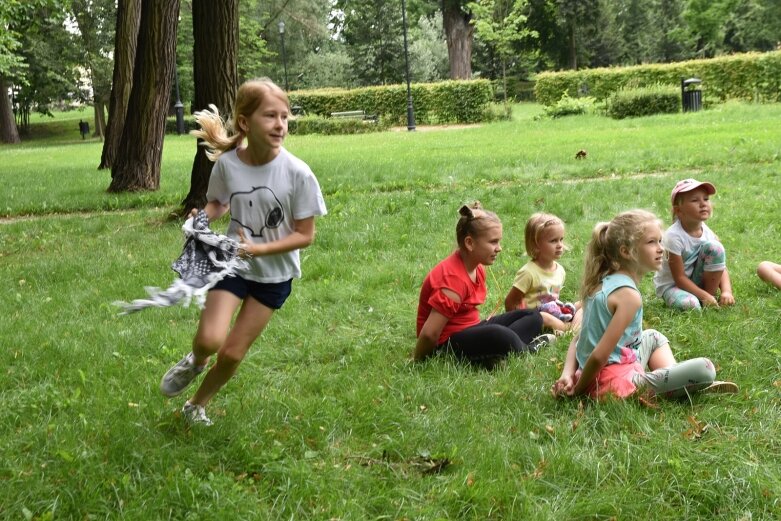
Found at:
[410, 111]
[178, 106]
[281, 26]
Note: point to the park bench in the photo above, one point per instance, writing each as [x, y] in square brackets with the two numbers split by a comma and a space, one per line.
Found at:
[354, 114]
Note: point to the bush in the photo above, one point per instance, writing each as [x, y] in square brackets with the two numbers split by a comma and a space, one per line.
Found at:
[330, 126]
[189, 124]
[568, 106]
[750, 77]
[434, 103]
[630, 103]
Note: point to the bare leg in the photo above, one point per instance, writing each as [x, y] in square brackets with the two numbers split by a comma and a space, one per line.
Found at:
[250, 322]
[770, 272]
[711, 281]
[214, 323]
[661, 357]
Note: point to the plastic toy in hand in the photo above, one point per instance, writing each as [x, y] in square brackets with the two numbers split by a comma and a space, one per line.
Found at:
[564, 311]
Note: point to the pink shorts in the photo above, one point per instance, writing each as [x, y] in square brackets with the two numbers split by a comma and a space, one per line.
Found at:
[616, 379]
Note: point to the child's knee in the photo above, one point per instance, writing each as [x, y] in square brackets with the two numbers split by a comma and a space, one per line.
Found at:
[702, 370]
[207, 342]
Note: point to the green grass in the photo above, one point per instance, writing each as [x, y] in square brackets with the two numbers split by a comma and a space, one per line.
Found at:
[327, 418]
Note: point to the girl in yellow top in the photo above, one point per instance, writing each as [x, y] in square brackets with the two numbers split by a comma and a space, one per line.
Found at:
[538, 283]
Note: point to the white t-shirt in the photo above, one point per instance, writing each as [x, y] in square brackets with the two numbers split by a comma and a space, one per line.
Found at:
[264, 200]
[677, 241]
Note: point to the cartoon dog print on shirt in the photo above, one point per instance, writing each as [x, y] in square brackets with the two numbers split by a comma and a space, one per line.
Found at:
[265, 210]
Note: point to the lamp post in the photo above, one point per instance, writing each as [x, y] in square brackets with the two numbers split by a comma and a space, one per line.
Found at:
[410, 111]
[178, 107]
[281, 26]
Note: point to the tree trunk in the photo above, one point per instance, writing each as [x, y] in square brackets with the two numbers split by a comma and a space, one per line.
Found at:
[137, 166]
[100, 116]
[215, 71]
[459, 34]
[8, 131]
[126, 38]
[573, 48]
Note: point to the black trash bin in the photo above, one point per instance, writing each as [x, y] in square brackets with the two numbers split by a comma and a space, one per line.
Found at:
[691, 94]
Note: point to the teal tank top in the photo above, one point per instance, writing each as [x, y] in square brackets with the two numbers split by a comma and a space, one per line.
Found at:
[596, 317]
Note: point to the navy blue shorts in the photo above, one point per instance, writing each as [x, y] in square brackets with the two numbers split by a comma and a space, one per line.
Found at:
[270, 294]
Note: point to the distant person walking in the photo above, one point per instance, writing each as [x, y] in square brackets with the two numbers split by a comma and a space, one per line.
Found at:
[83, 128]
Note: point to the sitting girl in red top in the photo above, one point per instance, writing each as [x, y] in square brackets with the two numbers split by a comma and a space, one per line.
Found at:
[448, 318]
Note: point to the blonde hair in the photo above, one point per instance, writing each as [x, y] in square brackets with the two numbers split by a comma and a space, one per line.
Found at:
[219, 136]
[535, 227]
[474, 220]
[603, 253]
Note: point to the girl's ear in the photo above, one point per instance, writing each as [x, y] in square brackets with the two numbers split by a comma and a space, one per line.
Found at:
[469, 243]
[242, 121]
[625, 252]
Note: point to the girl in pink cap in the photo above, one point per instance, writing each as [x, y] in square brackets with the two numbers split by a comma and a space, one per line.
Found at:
[694, 273]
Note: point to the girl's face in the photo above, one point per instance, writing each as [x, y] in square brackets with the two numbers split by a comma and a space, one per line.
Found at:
[550, 244]
[267, 126]
[693, 206]
[485, 246]
[650, 252]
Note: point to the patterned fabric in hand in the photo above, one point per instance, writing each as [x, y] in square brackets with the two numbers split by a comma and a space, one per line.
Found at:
[206, 259]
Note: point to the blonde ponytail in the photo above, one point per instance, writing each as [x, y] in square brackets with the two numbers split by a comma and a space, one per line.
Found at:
[214, 133]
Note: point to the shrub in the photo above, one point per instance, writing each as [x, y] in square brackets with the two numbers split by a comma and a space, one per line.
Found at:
[330, 126]
[568, 106]
[189, 124]
[750, 77]
[434, 103]
[630, 103]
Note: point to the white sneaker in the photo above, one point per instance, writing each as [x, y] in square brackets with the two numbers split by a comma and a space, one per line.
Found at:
[721, 387]
[180, 376]
[541, 341]
[195, 414]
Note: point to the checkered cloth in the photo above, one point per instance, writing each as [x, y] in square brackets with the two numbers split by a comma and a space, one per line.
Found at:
[206, 259]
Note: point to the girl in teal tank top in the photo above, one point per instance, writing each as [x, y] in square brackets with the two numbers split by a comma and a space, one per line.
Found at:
[613, 354]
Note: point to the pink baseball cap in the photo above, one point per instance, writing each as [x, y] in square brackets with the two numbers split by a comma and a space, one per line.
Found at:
[687, 185]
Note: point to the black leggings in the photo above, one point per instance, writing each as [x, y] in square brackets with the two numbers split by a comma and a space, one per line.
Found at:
[493, 339]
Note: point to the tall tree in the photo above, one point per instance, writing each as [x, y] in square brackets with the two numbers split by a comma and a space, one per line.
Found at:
[137, 165]
[459, 32]
[577, 17]
[673, 42]
[372, 30]
[216, 40]
[32, 34]
[95, 21]
[126, 39]
[501, 24]
[707, 21]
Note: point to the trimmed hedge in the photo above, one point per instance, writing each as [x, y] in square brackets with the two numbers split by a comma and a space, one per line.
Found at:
[750, 77]
[329, 126]
[630, 103]
[434, 103]
[189, 124]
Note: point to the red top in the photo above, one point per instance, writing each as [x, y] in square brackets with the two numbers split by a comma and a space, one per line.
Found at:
[451, 274]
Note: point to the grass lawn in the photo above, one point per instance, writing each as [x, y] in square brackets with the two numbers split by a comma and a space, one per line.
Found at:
[327, 417]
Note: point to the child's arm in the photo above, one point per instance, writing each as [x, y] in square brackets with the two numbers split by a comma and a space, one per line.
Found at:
[623, 304]
[514, 299]
[429, 335]
[566, 382]
[726, 298]
[685, 283]
[214, 210]
[303, 235]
